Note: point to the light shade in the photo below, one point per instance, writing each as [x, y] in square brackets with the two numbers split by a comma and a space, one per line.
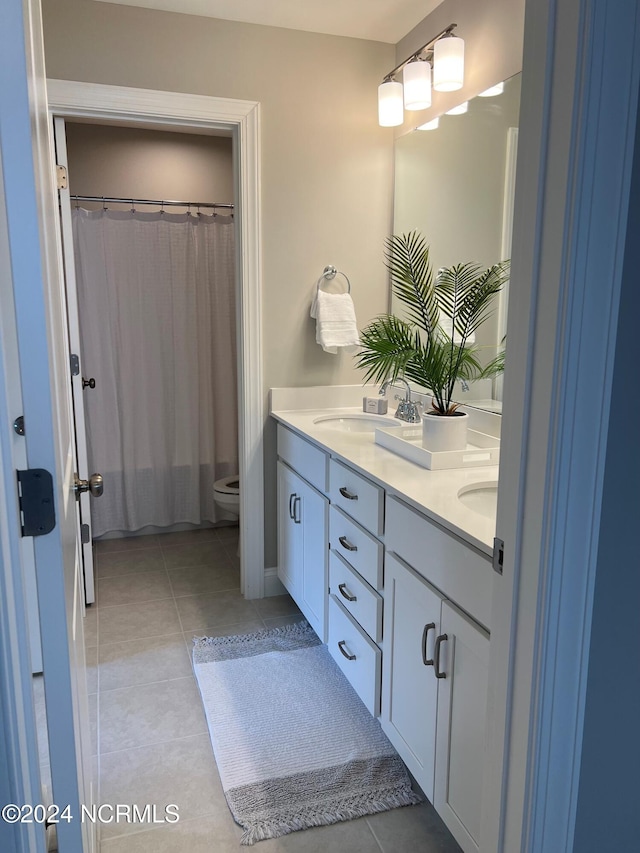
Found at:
[459, 110]
[429, 125]
[416, 77]
[498, 89]
[448, 64]
[390, 111]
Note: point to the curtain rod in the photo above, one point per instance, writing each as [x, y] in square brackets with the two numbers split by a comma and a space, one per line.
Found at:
[161, 203]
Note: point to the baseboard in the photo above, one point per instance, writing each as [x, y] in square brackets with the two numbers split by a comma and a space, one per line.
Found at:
[272, 583]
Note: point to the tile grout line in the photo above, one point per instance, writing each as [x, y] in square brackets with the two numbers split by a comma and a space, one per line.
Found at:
[372, 831]
[147, 683]
[163, 742]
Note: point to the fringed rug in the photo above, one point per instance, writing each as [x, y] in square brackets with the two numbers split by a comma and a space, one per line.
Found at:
[295, 746]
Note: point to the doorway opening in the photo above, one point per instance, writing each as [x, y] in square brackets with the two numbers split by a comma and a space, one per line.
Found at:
[154, 291]
[194, 114]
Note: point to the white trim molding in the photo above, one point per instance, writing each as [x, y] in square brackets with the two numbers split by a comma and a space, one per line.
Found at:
[158, 109]
[576, 147]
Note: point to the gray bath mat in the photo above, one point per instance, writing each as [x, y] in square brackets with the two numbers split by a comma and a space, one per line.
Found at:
[295, 746]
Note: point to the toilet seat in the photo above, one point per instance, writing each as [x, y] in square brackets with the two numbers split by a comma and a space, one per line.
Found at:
[227, 485]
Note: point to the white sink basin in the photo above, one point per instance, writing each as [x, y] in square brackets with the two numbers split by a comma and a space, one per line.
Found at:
[356, 422]
[481, 498]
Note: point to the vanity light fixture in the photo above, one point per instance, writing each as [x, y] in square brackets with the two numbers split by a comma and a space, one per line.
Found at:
[416, 77]
[459, 110]
[429, 125]
[390, 112]
[448, 64]
[416, 74]
[498, 89]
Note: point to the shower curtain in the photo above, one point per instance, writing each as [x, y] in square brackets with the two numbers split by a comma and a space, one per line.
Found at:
[156, 300]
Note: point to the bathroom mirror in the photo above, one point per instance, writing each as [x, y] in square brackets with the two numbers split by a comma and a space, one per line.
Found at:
[456, 184]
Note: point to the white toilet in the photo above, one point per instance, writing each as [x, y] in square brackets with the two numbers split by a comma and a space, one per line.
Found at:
[226, 494]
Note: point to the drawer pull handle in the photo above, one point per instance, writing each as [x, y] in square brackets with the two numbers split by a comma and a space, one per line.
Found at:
[346, 544]
[426, 661]
[297, 500]
[436, 653]
[346, 594]
[341, 645]
[350, 496]
[291, 497]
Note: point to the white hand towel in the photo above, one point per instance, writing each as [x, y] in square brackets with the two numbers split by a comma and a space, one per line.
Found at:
[335, 319]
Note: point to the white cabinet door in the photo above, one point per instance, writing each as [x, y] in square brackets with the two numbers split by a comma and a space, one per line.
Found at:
[303, 546]
[289, 533]
[312, 509]
[409, 687]
[462, 706]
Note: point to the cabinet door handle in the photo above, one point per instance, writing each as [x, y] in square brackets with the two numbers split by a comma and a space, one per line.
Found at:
[348, 656]
[426, 661]
[346, 544]
[436, 653]
[291, 497]
[346, 594]
[350, 496]
[297, 500]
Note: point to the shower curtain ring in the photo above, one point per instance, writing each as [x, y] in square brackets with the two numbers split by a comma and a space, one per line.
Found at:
[133, 207]
[104, 204]
[162, 207]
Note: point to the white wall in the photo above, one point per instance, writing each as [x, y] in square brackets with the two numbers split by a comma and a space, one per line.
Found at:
[138, 163]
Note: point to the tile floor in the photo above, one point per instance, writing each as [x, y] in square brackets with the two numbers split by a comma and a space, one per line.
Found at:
[150, 739]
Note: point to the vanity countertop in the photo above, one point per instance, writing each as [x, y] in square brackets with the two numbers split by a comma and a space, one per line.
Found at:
[434, 493]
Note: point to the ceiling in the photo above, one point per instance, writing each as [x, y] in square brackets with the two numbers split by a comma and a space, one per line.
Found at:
[377, 20]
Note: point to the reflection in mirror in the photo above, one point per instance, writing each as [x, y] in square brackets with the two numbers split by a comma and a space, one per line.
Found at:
[455, 184]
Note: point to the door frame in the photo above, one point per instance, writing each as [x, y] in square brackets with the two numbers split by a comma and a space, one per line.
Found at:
[576, 148]
[168, 110]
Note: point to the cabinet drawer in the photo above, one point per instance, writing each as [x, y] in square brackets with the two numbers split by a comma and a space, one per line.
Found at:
[356, 655]
[356, 596]
[457, 570]
[307, 459]
[358, 496]
[358, 547]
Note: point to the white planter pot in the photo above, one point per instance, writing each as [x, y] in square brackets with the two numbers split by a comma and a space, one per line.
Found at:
[444, 432]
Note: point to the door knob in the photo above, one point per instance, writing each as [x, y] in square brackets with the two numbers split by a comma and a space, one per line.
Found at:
[88, 383]
[94, 485]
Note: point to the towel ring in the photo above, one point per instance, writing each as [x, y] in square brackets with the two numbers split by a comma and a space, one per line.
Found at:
[329, 273]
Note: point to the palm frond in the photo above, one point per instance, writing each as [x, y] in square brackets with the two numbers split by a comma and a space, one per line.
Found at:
[407, 259]
[387, 345]
[465, 294]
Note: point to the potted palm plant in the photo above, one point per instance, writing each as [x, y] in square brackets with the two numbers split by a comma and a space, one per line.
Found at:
[435, 345]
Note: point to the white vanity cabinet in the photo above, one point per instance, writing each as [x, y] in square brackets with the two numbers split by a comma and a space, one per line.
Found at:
[435, 669]
[303, 527]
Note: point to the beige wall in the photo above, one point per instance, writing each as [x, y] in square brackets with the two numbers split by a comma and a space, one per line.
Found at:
[105, 160]
[493, 33]
[326, 165]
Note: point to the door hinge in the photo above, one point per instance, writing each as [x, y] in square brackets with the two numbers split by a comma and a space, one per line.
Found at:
[85, 534]
[75, 364]
[498, 555]
[35, 487]
[61, 172]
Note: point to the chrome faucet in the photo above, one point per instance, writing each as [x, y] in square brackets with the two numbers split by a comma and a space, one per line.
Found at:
[407, 410]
